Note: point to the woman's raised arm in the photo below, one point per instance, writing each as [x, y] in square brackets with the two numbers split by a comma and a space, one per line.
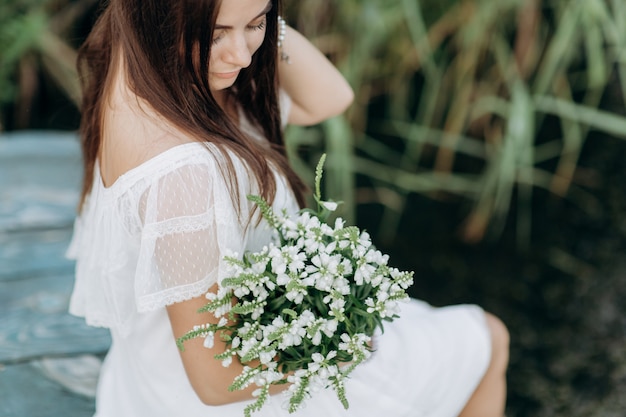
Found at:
[316, 87]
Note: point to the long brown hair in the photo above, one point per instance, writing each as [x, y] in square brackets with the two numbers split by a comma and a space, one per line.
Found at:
[174, 81]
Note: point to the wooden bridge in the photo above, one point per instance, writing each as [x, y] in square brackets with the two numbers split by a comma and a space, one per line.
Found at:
[49, 360]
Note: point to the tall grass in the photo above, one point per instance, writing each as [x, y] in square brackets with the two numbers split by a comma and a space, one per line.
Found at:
[476, 99]
[35, 39]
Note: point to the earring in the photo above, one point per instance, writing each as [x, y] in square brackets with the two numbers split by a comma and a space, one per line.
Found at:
[282, 31]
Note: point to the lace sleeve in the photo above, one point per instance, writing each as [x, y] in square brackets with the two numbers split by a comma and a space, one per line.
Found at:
[189, 224]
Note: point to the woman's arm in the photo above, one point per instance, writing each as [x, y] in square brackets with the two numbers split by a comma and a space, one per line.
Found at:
[209, 379]
[316, 87]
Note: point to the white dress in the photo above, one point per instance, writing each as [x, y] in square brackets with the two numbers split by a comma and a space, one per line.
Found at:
[156, 237]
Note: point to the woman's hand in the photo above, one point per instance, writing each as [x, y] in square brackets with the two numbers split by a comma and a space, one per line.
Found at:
[316, 87]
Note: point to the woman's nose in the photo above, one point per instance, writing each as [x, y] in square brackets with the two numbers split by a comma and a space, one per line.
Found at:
[238, 52]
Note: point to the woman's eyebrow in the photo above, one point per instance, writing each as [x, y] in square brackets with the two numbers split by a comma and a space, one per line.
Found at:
[268, 7]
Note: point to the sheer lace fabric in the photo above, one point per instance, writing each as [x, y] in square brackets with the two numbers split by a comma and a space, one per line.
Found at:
[162, 231]
[158, 235]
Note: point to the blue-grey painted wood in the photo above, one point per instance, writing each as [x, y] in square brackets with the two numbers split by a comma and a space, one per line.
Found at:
[40, 343]
[34, 253]
[40, 175]
[35, 321]
[25, 392]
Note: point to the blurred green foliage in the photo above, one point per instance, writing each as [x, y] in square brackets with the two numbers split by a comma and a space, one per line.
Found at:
[480, 100]
[34, 35]
[476, 100]
[20, 28]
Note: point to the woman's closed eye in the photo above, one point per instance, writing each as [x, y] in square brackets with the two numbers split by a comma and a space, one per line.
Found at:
[258, 26]
[218, 36]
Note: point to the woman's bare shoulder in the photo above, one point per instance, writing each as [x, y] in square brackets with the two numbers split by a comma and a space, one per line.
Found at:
[132, 136]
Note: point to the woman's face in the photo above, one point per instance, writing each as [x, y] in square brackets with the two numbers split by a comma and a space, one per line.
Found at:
[239, 32]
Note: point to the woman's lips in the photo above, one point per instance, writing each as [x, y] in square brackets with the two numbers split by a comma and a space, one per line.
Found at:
[226, 75]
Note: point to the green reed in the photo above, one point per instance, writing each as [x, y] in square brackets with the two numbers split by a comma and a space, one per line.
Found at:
[453, 99]
[35, 37]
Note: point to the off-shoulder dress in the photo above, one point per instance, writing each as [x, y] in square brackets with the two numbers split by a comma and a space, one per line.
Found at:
[157, 236]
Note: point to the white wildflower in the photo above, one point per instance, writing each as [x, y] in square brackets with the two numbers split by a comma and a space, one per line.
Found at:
[376, 257]
[277, 324]
[294, 336]
[241, 292]
[296, 378]
[246, 346]
[259, 266]
[209, 340]
[330, 327]
[341, 285]
[260, 293]
[337, 306]
[267, 356]
[296, 258]
[364, 272]
[323, 270]
[295, 297]
[345, 267]
[306, 318]
[278, 261]
[330, 248]
[296, 293]
[365, 240]
[282, 279]
[317, 338]
[329, 205]
[235, 342]
[377, 280]
[257, 312]
[268, 376]
[355, 344]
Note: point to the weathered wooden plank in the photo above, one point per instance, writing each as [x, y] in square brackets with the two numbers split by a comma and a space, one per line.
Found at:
[35, 207]
[25, 392]
[34, 253]
[40, 174]
[34, 321]
[79, 374]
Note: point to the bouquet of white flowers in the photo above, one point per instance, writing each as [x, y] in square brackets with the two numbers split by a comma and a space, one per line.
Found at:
[306, 307]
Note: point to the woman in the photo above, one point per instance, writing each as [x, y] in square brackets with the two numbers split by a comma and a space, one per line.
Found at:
[182, 118]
